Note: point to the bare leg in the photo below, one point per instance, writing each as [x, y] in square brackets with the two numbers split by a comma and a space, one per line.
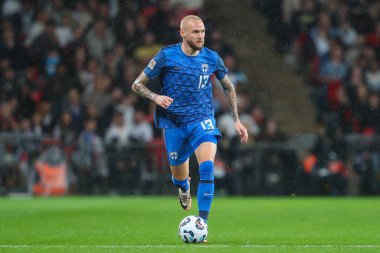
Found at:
[206, 152]
[180, 172]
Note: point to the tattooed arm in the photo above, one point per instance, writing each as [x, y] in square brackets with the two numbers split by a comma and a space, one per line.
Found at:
[139, 87]
[229, 91]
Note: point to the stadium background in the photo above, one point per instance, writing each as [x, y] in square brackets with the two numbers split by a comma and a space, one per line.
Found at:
[306, 72]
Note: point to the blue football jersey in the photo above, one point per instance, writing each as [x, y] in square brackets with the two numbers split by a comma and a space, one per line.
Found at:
[187, 80]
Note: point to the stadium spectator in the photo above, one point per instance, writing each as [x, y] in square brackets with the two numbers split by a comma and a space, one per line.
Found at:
[74, 105]
[45, 42]
[58, 85]
[91, 112]
[113, 60]
[347, 34]
[47, 116]
[51, 61]
[148, 48]
[106, 115]
[8, 122]
[90, 161]
[99, 39]
[8, 83]
[118, 133]
[12, 49]
[334, 67]
[159, 22]
[321, 34]
[81, 15]
[63, 131]
[237, 76]
[99, 94]
[36, 28]
[217, 43]
[126, 32]
[258, 116]
[64, 32]
[25, 103]
[142, 129]
[372, 77]
[271, 132]
[37, 126]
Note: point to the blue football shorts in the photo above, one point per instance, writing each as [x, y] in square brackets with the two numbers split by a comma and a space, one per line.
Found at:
[181, 142]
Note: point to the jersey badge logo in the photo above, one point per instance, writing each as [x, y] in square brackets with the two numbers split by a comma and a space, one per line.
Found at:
[204, 68]
[151, 64]
[173, 155]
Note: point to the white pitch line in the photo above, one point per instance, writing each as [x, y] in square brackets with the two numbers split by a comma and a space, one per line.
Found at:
[309, 246]
[112, 246]
[302, 246]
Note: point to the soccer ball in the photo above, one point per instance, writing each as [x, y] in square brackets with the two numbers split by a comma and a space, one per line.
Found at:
[192, 229]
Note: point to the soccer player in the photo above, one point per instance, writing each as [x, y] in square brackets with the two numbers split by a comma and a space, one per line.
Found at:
[185, 110]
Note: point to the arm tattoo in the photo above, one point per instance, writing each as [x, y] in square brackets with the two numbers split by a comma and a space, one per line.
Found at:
[230, 93]
[139, 86]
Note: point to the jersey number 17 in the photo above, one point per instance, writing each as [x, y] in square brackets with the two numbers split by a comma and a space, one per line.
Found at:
[203, 79]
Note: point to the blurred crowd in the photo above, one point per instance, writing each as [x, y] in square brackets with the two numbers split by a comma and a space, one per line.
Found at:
[66, 72]
[335, 44]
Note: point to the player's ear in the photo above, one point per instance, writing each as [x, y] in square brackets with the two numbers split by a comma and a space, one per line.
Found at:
[182, 33]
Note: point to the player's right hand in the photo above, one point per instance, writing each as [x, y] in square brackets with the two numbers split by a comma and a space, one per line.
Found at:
[163, 101]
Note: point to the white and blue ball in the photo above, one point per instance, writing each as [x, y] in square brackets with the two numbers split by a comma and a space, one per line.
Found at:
[193, 229]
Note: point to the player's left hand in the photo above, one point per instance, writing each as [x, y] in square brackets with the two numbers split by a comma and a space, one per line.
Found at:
[242, 131]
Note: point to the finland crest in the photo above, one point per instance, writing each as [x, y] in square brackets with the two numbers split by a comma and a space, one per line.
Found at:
[173, 155]
[204, 68]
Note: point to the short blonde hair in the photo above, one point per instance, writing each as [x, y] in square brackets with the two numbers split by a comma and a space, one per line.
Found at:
[187, 19]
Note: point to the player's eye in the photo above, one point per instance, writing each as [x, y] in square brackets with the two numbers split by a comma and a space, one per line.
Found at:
[199, 31]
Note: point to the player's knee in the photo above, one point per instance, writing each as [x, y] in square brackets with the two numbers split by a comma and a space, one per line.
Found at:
[206, 171]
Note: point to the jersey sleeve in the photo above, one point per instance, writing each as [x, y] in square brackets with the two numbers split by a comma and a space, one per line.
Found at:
[154, 67]
[221, 70]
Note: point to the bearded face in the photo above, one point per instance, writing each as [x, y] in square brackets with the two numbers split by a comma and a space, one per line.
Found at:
[193, 34]
[197, 44]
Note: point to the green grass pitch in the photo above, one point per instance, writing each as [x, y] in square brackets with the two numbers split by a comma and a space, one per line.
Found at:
[149, 224]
